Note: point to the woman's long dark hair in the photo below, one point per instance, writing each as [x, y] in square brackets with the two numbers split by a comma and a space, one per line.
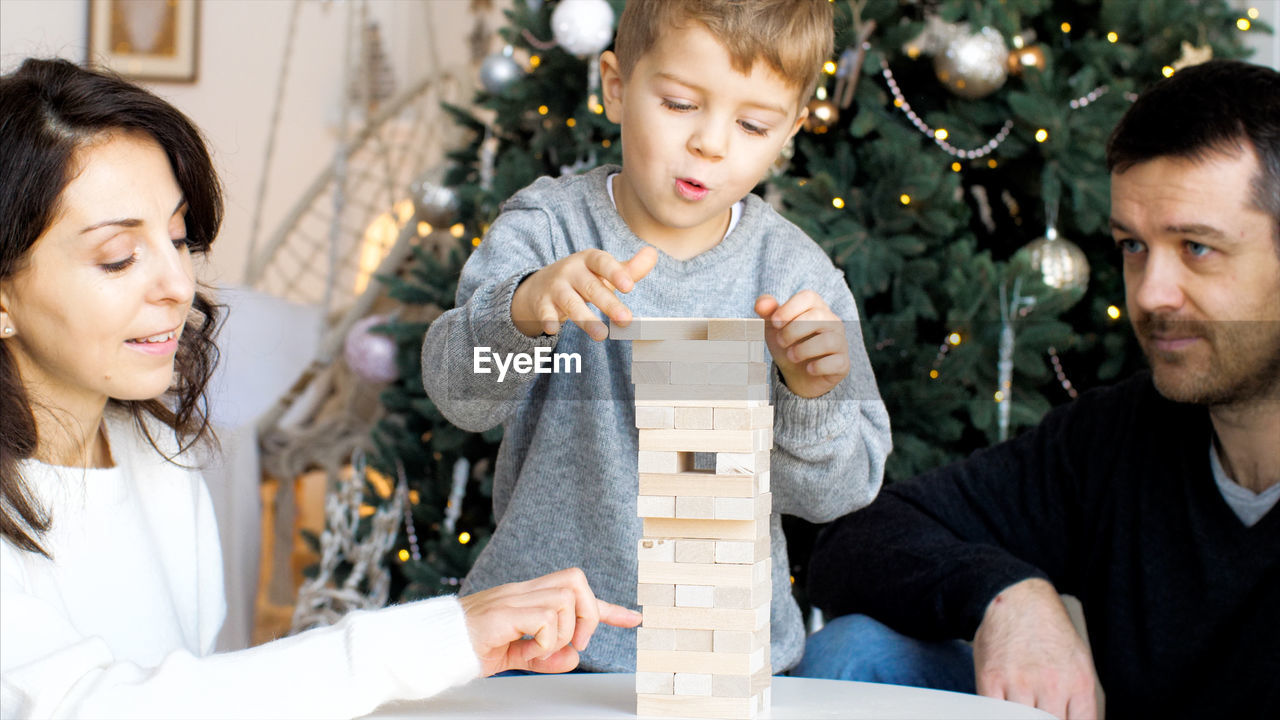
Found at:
[49, 109]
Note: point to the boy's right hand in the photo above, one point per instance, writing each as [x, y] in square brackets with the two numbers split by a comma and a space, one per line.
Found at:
[562, 290]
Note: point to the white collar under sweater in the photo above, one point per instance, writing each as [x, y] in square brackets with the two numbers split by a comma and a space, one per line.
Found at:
[122, 621]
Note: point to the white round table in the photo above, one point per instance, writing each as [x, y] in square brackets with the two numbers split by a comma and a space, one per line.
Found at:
[601, 695]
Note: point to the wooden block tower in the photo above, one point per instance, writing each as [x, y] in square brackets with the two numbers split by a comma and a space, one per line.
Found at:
[706, 429]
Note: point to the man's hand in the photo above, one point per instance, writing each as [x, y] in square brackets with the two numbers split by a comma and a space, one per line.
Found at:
[1027, 651]
[558, 612]
[562, 290]
[807, 342]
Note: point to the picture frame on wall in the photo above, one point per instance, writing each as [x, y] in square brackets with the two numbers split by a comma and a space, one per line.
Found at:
[154, 40]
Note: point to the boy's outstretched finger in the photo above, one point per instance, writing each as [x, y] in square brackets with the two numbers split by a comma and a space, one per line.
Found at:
[765, 305]
[640, 265]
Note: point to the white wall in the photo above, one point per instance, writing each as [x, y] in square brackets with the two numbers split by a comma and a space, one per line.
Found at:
[240, 56]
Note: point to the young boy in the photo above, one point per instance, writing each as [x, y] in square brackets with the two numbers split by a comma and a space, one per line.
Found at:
[707, 92]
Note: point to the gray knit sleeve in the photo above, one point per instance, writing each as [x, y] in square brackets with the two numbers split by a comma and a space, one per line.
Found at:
[829, 452]
[467, 338]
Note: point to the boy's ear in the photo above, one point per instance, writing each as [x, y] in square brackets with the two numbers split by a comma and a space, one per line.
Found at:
[804, 115]
[611, 85]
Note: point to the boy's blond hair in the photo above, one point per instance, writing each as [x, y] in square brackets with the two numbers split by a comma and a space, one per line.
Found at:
[793, 37]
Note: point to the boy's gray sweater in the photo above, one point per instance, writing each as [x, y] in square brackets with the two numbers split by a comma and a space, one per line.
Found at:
[564, 490]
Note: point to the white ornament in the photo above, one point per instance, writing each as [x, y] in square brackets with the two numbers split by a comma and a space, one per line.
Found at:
[499, 70]
[583, 27]
[371, 356]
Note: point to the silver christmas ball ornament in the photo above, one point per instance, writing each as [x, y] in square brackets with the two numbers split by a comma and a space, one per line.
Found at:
[435, 202]
[583, 27]
[498, 71]
[973, 65]
[371, 356]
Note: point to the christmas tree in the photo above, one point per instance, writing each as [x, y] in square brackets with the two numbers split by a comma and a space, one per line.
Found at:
[952, 166]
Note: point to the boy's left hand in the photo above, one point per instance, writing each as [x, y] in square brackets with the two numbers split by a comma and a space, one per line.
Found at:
[807, 342]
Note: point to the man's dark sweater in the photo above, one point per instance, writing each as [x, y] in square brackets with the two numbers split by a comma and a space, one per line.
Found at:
[1112, 499]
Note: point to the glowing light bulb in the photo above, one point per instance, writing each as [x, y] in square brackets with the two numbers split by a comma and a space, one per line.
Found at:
[464, 538]
[837, 203]
[1066, 27]
[933, 374]
[905, 199]
[1244, 24]
[1113, 312]
[1166, 71]
[940, 133]
[954, 338]
[543, 110]
[1113, 37]
[955, 167]
[403, 555]
[1042, 135]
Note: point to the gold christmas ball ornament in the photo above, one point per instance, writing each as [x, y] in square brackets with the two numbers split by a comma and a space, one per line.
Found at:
[973, 65]
[823, 115]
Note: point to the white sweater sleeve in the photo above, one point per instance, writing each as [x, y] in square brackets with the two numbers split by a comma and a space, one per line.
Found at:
[406, 652]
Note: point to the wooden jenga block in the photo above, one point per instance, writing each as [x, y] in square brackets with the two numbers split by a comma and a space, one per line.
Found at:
[705, 351]
[743, 686]
[693, 418]
[656, 550]
[697, 684]
[710, 529]
[702, 596]
[630, 332]
[715, 618]
[704, 484]
[694, 507]
[690, 373]
[656, 594]
[717, 574]
[655, 683]
[732, 508]
[733, 442]
[713, 395]
[735, 329]
[727, 418]
[712, 663]
[696, 640]
[740, 463]
[739, 551]
[738, 597]
[673, 328]
[664, 461]
[684, 706]
[650, 373]
[655, 506]
[656, 417]
[739, 641]
[694, 551]
[736, 373]
[648, 638]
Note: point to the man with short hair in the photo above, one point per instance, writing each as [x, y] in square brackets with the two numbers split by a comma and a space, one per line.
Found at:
[1152, 501]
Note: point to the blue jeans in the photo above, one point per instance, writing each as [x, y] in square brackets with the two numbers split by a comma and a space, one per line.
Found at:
[856, 647]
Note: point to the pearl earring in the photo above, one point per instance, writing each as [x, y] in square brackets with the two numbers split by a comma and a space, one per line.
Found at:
[8, 331]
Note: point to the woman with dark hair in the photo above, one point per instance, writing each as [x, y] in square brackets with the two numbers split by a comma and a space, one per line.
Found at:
[111, 591]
